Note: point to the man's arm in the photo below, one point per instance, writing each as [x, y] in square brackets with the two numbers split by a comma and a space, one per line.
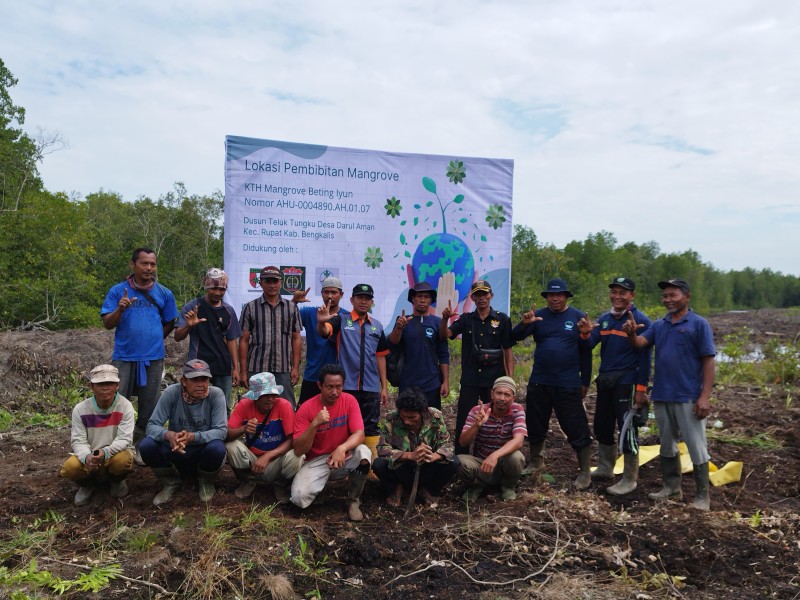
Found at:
[244, 344]
[508, 361]
[475, 418]
[297, 349]
[112, 318]
[702, 407]
[512, 445]
[168, 327]
[381, 360]
[233, 350]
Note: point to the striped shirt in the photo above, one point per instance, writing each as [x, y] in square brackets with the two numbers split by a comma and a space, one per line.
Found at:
[271, 329]
[93, 428]
[494, 433]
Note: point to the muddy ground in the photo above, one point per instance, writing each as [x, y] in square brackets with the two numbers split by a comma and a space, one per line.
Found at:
[552, 542]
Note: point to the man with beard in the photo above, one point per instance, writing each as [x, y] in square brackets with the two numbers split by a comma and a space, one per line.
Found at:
[213, 331]
[186, 433]
[562, 370]
[426, 355]
[684, 378]
[143, 313]
[621, 383]
[486, 354]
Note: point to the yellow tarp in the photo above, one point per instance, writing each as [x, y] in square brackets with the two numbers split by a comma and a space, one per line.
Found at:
[730, 473]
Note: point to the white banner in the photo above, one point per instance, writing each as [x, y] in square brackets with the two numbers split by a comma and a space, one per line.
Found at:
[382, 218]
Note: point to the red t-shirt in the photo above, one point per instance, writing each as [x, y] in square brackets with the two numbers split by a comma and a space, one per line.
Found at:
[275, 431]
[345, 420]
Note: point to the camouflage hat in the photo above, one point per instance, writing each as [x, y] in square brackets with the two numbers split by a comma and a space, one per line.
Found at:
[269, 273]
[261, 385]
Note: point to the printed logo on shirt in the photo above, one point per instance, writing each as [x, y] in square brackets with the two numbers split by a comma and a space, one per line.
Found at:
[348, 324]
[429, 332]
[605, 324]
[374, 329]
[569, 326]
[495, 323]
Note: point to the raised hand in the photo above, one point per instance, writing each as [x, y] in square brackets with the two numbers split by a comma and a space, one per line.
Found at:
[585, 325]
[401, 321]
[530, 316]
[446, 295]
[482, 413]
[125, 302]
[192, 319]
[447, 311]
[324, 313]
[299, 296]
[630, 326]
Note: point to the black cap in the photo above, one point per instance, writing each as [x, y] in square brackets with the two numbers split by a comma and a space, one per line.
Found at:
[624, 283]
[363, 289]
[676, 283]
[557, 286]
[481, 285]
[422, 286]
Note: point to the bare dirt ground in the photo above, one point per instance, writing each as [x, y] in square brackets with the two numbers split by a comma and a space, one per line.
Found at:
[552, 542]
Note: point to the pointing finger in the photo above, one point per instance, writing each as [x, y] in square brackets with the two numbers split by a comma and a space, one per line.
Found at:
[403, 313]
[125, 293]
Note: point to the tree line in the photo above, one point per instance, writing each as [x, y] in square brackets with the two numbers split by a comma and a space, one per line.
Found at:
[59, 255]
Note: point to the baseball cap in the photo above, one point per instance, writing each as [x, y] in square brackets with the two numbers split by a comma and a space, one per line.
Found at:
[270, 273]
[422, 286]
[677, 283]
[196, 368]
[333, 282]
[262, 384]
[505, 381]
[481, 286]
[557, 286]
[363, 289]
[624, 283]
[104, 373]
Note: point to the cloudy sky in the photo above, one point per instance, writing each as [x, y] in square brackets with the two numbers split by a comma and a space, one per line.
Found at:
[668, 121]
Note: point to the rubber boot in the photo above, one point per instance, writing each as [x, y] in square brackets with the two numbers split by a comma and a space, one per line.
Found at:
[701, 501]
[607, 456]
[584, 479]
[118, 488]
[83, 495]
[371, 442]
[630, 476]
[170, 483]
[357, 481]
[536, 466]
[473, 492]
[671, 472]
[247, 483]
[205, 484]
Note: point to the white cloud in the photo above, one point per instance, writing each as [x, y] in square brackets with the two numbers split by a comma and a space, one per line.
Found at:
[666, 121]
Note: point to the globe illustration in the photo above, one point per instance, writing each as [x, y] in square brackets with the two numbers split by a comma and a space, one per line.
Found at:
[442, 253]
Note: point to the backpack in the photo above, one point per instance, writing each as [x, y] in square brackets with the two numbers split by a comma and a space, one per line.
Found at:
[394, 366]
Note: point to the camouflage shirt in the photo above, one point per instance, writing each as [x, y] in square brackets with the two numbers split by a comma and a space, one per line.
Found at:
[397, 439]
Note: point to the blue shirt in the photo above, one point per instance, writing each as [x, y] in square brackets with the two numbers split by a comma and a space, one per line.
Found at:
[561, 357]
[680, 348]
[139, 336]
[359, 345]
[616, 354]
[423, 352]
[320, 351]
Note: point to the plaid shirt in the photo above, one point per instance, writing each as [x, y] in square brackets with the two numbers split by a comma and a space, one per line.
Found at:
[396, 438]
[271, 329]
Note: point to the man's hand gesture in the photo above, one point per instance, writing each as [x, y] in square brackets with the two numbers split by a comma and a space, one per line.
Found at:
[530, 316]
[482, 414]
[401, 321]
[125, 302]
[324, 313]
[322, 417]
[585, 325]
[299, 296]
[192, 319]
[630, 327]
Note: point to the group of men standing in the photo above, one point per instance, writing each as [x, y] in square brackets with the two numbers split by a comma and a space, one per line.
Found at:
[336, 431]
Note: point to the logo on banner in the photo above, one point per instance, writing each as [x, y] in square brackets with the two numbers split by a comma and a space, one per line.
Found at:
[254, 283]
[294, 279]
